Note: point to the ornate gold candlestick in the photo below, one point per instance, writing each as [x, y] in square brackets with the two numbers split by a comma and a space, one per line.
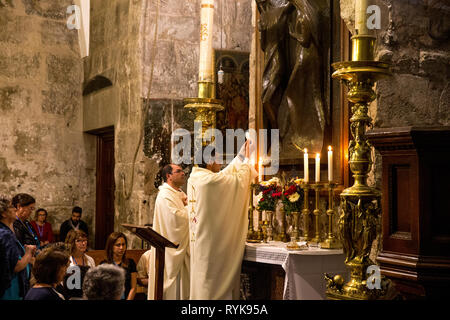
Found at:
[331, 242]
[205, 106]
[305, 213]
[259, 232]
[251, 234]
[316, 240]
[360, 203]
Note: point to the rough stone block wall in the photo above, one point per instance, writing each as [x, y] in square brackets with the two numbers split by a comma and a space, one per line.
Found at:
[115, 53]
[43, 150]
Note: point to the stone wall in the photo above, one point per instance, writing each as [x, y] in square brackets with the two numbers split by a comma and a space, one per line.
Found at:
[115, 54]
[43, 150]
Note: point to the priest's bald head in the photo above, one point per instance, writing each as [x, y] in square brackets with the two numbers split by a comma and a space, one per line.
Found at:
[173, 175]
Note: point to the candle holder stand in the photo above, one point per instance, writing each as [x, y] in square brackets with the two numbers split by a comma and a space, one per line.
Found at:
[306, 213]
[259, 232]
[251, 234]
[360, 204]
[204, 108]
[331, 242]
[314, 242]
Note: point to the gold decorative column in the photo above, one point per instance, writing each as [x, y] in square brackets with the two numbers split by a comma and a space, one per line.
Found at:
[360, 204]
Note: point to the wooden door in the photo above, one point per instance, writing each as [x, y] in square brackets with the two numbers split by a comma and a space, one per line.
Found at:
[104, 217]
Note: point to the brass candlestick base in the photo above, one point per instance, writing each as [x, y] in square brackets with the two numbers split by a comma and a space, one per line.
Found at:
[204, 107]
[360, 204]
[305, 213]
[252, 236]
[331, 242]
[314, 242]
[259, 232]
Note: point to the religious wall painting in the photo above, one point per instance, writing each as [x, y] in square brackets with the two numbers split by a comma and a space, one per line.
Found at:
[295, 37]
[234, 90]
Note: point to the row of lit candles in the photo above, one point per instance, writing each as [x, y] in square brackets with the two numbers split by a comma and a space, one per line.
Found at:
[306, 166]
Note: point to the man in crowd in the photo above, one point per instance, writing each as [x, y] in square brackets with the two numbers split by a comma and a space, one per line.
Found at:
[74, 223]
[171, 221]
[218, 202]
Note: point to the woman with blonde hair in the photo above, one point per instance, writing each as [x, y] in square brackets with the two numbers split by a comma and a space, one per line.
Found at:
[76, 243]
[116, 249]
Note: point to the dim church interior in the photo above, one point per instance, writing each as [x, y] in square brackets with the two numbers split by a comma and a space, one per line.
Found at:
[87, 115]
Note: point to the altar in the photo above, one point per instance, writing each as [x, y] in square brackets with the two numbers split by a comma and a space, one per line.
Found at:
[303, 270]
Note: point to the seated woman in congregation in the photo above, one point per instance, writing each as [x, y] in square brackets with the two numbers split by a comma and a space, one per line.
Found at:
[49, 270]
[116, 248]
[42, 228]
[104, 282]
[77, 244]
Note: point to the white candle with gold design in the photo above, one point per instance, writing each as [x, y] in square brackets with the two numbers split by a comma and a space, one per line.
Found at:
[206, 35]
[361, 17]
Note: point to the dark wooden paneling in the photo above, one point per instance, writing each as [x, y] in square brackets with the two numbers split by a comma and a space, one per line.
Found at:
[415, 209]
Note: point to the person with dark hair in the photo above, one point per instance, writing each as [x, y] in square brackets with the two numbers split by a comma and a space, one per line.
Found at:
[104, 282]
[116, 249]
[171, 220]
[25, 205]
[49, 270]
[42, 228]
[218, 222]
[74, 223]
[15, 259]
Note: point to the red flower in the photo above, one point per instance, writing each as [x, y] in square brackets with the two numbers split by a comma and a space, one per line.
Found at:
[266, 191]
[276, 194]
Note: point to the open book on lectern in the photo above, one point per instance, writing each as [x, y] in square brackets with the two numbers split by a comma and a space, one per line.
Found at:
[151, 236]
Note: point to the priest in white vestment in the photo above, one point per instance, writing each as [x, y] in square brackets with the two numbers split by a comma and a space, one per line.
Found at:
[218, 202]
[171, 221]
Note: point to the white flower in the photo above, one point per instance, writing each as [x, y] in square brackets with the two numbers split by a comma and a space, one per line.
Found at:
[294, 197]
[275, 181]
[265, 183]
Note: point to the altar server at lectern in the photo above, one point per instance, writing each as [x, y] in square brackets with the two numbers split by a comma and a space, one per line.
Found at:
[171, 221]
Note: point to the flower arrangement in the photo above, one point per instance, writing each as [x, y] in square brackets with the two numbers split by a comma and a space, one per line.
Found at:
[293, 196]
[271, 193]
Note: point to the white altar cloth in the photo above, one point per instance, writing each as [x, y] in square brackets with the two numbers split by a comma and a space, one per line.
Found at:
[304, 269]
